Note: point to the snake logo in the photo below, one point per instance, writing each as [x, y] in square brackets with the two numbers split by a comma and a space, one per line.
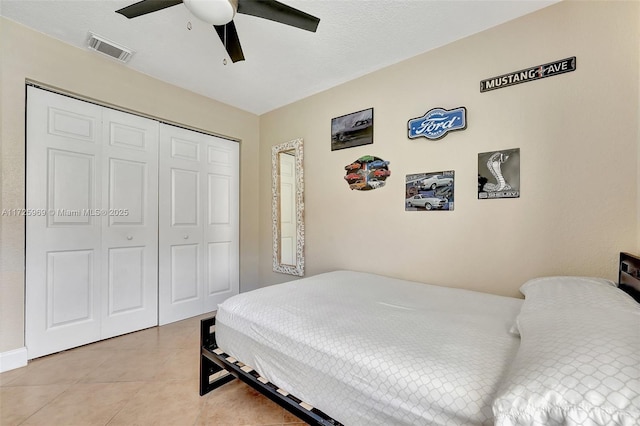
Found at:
[494, 165]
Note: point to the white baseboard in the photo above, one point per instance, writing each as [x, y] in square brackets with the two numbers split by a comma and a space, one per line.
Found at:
[13, 359]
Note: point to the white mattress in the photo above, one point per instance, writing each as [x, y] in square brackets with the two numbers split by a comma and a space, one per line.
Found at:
[372, 350]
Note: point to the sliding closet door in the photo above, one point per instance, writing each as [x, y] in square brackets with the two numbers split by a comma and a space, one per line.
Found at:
[130, 228]
[198, 242]
[63, 259]
[94, 218]
[91, 227]
[221, 222]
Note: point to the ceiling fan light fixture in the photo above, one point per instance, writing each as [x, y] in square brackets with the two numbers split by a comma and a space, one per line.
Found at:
[214, 12]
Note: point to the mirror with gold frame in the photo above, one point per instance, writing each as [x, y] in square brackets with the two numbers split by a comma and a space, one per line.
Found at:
[287, 207]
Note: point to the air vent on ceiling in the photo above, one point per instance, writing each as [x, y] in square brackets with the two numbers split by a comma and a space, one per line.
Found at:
[103, 45]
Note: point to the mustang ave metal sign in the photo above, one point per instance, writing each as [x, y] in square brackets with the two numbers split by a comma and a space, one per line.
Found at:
[534, 73]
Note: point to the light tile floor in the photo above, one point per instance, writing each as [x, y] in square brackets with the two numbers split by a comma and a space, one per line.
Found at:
[149, 377]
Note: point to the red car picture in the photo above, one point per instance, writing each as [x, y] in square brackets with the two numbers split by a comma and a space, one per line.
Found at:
[353, 166]
[352, 177]
[382, 173]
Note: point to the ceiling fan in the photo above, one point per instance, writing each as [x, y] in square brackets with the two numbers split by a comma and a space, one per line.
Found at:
[220, 14]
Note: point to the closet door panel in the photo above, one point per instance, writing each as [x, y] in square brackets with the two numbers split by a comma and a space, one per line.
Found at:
[219, 261]
[198, 222]
[69, 289]
[185, 198]
[180, 229]
[129, 223]
[128, 192]
[63, 251]
[70, 187]
[126, 280]
[221, 229]
[185, 276]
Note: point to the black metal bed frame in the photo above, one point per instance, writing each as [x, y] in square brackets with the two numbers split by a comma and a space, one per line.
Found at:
[218, 368]
[629, 275]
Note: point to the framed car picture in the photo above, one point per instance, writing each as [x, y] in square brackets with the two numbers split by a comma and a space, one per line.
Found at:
[499, 174]
[351, 130]
[367, 172]
[429, 191]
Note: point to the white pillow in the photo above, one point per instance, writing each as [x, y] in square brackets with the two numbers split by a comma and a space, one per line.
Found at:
[562, 292]
[579, 357]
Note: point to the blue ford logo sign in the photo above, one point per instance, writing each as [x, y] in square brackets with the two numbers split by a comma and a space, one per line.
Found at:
[436, 123]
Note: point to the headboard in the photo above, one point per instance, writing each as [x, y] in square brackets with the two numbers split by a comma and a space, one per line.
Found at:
[629, 275]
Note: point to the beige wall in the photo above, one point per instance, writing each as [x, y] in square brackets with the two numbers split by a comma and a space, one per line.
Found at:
[578, 136]
[25, 54]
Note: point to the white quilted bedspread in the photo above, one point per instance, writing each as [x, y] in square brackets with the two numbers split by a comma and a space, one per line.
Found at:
[372, 350]
[579, 360]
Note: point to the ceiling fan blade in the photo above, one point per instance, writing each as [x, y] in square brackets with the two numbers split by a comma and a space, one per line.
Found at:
[279, 12]
[229, 37]
[146, 6]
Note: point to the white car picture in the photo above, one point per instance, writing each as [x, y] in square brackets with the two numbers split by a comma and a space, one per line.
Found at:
[428, 203]
[375, 183]
[432, 182]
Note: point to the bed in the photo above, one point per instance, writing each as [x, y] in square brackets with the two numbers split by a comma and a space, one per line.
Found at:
[355, 348]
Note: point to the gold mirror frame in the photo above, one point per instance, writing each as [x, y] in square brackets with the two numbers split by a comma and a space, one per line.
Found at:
[296, 267]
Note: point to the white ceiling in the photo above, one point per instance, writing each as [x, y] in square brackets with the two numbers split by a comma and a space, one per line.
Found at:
[283, 64]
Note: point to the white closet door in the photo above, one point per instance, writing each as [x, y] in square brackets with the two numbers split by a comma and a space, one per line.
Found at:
[91, 259]
[198, 241]
[130, 228]
[63, 258]
[221, 222]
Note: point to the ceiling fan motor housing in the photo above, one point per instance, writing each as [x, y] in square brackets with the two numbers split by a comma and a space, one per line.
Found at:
[215, 12]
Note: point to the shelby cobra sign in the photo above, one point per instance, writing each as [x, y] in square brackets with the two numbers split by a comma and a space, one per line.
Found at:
[437, 122]
[534, 73]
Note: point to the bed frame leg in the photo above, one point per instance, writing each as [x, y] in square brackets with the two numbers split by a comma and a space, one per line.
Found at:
[212, 376]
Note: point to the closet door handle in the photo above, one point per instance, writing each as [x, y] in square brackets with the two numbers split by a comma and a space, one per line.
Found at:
[186, 237]
[129, 237]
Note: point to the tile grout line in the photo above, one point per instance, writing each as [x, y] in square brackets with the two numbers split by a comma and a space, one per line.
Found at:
[45, 405]
[124, 405]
